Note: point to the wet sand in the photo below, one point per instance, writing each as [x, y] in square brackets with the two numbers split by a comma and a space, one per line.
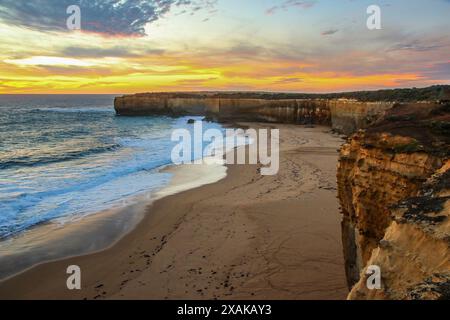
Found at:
[245, 237]
[99, 230]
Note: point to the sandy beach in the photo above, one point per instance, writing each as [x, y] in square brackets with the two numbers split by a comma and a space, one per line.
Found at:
[245, 237]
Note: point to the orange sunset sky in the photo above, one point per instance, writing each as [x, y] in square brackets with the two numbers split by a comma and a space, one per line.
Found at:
[260, 45]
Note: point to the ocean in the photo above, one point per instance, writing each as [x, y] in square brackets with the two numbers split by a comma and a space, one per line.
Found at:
[63, 157]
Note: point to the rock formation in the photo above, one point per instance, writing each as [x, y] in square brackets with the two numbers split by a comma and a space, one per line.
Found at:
[343, 115]
[394, 189]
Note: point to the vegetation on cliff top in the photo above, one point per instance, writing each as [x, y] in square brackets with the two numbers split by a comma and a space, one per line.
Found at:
[433, 93]
[426, 125]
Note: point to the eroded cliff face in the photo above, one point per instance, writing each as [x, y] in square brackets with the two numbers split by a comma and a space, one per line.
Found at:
[349, 116]
[393, 185]
[371, 178]
[345, 116]
[226, 109]
[414, 254]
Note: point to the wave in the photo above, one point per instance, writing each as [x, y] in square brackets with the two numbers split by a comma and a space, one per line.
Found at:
[105, 159]
[11, 226]
[10, 230]
[32, 161]
[74, 110]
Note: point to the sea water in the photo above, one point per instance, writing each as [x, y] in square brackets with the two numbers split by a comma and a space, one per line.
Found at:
[63, 157]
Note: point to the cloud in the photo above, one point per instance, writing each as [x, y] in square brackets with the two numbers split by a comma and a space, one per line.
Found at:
[439, 71]
[418, 46]
[329, 32]
[111, 17]
[90, 52]
[245, 49]
[288, 80]
[289, 4]
[49, 61]
[117, 51]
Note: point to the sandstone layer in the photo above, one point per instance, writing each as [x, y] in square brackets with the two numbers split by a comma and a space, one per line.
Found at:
[393, 185]
[343, 115]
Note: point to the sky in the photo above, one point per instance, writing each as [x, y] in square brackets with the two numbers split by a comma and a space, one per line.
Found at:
[129, 46]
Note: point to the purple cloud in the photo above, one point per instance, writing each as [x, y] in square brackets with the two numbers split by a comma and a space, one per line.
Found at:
[112, 17]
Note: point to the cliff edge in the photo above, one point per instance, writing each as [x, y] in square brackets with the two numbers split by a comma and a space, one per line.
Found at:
[394, 189]
[343, 115]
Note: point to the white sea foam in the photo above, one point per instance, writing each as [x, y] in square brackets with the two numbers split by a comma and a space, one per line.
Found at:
[53, 177]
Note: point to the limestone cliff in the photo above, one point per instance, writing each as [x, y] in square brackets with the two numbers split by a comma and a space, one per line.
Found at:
[393, 185]
[224, 108]
[350, 115]
[343, 115]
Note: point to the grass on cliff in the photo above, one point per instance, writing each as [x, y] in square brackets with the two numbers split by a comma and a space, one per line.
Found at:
[412, 147]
